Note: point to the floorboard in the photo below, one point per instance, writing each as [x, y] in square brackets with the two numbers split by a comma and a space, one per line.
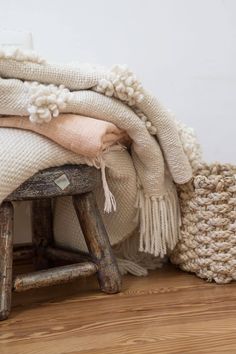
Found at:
[167, 312]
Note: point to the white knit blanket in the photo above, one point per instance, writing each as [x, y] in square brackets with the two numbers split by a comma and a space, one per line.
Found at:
[141, 212]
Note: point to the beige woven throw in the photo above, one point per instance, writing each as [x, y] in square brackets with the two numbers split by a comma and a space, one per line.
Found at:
[142, 194]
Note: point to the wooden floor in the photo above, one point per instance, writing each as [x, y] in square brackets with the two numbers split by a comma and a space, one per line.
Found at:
[167, 312]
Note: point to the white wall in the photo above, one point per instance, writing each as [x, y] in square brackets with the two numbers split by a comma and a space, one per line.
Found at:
[183, 50]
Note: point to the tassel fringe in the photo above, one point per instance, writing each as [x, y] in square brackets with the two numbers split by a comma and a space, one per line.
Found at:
[126, 266]
[99, 163]
[131, 260]
[159, 222]
[110, 202]
[159, 217]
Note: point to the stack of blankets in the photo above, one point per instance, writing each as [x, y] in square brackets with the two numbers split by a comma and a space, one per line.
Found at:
[53, 114]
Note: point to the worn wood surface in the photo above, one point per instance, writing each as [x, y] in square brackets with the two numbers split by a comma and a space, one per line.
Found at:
[167, 312]
[23, 252]
[6, 247]
[97, 241]
[57, 275]
[26, 252]
[42, 231]
[40, 188]
[65, 255]
[81, 179]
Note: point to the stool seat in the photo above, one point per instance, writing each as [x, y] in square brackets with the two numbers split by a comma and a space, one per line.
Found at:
[58, 181]
[78, 181]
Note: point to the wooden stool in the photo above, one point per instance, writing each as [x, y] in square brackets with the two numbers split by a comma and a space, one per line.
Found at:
[70, 180]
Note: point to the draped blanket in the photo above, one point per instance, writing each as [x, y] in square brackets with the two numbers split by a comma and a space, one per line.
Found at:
[138, 200]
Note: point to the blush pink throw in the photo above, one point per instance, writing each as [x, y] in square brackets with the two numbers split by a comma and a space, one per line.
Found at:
[82, 135]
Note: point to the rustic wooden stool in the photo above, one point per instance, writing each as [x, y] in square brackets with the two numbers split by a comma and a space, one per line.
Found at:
[70, 180]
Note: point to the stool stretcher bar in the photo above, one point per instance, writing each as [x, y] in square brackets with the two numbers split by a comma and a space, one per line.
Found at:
[57, 275]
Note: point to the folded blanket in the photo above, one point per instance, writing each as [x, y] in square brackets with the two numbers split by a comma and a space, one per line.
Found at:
[82, 135]
[141, 181]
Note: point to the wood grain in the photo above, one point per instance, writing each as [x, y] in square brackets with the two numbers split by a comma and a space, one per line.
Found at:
[97, 242]
[43, 184]
[23, 252]
[66, 255]
[6, 248]
[57, 275]
[167, 312]
[42, 231]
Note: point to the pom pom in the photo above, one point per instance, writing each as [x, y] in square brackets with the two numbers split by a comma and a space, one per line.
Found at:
[46, 101]
[20, 54]
[151, 128]
[122, 84]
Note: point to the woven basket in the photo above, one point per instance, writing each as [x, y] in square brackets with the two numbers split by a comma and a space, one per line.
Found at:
[207, 245]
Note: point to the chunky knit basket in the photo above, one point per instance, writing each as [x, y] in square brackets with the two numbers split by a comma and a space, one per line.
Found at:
[207, 244]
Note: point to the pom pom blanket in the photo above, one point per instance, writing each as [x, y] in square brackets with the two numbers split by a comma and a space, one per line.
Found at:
[142, 198]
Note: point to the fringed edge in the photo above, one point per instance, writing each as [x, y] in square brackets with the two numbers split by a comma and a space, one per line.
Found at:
[131, 260]
[127, 266]
[159, 219]
[110, 202]
[98, 162]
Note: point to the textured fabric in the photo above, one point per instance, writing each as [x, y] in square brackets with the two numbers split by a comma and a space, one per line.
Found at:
[82, 135]
[207, 245]
[140, 178]
[23, 65]
[18, 164]
[23, 154]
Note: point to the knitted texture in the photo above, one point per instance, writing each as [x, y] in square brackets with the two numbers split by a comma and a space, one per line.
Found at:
[156, 157]
[207, 244]
[190, 144]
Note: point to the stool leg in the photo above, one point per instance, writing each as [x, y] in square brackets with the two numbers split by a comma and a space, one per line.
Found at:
[97, 241]
[6, 250]
[42, 231]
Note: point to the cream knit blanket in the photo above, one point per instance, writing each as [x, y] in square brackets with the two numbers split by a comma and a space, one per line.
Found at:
[142, 194]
